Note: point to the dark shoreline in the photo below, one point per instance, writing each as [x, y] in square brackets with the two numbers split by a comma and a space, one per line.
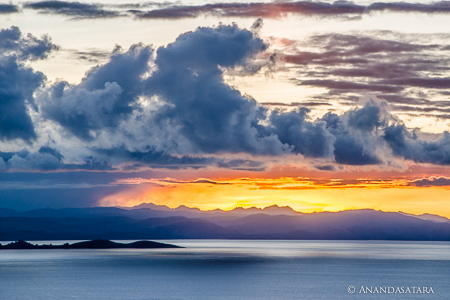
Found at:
[94, 244]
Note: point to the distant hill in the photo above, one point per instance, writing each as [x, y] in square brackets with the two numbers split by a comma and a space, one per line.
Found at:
[94, 244]
[429, 217]
[187, 223]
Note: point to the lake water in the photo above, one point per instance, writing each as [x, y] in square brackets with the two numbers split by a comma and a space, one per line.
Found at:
[228, 269]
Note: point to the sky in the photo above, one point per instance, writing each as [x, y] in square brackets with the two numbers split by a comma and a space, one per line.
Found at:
[321, 106]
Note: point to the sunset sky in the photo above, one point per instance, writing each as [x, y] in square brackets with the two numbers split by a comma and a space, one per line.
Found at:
[322, 106]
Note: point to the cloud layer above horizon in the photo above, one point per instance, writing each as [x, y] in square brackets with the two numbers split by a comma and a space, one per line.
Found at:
[178, 10]
[170, 107]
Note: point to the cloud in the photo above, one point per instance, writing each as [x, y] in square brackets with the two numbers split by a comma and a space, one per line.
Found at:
[173, 110]
[90, 55]
[106, 95]
[433, 83]
[281, 9]
[431, 181]
[410, 146]
[76, 10]
[436, 7]
[196, 112]
[8, 8]
[18, 82]
[339, 9]
[167, 181]
[157, 159]
[210, 114]
[326, 168]
[396, 67]
[265, 10]
[46, 159]
[355, 132]
[351, 86]
[296, 104]
[305, 137]
[13, 43]
[241, 164]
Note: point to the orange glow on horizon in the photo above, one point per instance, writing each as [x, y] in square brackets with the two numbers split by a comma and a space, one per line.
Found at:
[302, 194]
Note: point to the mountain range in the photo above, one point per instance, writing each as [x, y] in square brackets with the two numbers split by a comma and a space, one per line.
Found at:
[150, 221]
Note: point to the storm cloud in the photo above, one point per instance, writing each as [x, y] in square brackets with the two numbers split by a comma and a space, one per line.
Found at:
[171, 108]
[107, 94]
[8, 8]
[409, 145]
[210, 114]
[18, 82]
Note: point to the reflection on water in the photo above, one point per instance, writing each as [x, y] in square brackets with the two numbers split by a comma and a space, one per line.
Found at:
[226, 269]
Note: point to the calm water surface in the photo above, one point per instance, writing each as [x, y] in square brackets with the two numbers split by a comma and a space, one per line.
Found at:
[226, 269]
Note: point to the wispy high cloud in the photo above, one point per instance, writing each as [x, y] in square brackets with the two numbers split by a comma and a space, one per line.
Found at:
[265, 10]
[165, 10]
[396, 67]
[293, 183]
[280, 9]
[76, 10]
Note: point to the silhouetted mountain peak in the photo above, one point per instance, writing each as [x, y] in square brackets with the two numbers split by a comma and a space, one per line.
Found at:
[185, 208]
[282, 210]
[149, 205]
[270, 210]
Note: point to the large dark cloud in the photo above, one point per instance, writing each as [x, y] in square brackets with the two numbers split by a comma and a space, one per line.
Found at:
[174, 110]
[196, 112]
[356, 132]
[106, 95]
[305, 137]
[8, 8]
[213, 116]
[348, 149]
[18, 82]
[14, 43]
[410, 146]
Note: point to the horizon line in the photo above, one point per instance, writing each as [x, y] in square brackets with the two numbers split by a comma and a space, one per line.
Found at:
[267, 207]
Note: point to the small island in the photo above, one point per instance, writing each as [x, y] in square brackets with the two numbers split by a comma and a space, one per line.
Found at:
[94, 244]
